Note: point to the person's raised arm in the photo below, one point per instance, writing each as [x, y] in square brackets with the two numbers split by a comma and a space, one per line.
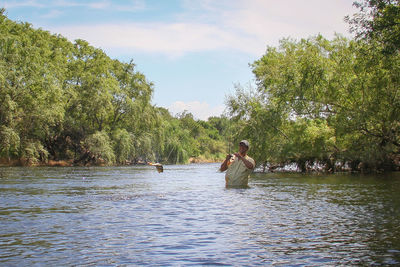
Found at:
[224, 165]
[247, 163]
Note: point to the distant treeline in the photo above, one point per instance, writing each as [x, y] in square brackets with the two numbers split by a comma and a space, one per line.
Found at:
[322, 104]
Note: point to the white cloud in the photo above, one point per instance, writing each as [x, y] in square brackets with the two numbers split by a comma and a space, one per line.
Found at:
[200, 110]
[268, 21]
[17, 4]
[245, 26]
[173, 38]
[132, 5]
[52, 14]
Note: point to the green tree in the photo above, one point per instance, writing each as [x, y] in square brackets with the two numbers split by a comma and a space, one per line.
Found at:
[123, 146]
[9, 142]
[64, 100]
[347, 93]
[93, 84]
[30, 91]
[98, 148]
[378, 20]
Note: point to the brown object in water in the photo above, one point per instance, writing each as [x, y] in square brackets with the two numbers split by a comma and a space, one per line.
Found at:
[158, 166]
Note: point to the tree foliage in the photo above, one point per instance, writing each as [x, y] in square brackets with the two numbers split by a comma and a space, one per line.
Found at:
[378, 21]
[326, 103]
[318, 103]
[70, 101]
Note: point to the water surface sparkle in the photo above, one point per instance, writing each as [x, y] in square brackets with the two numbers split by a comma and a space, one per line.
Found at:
[185, 216]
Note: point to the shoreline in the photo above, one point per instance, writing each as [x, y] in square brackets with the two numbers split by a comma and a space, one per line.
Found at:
[192, 160]
[70, 163]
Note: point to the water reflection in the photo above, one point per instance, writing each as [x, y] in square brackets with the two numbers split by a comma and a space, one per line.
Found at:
[341, 214]
[186, 216]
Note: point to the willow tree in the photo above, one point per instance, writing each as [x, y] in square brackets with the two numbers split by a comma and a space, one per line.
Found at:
[343, 85]
[65, 100]
[377, 21]
[31, 93]
[57, 97]
[91, 84]
[377, 27]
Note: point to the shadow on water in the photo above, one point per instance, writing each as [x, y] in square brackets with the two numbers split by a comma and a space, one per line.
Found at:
[185, 216]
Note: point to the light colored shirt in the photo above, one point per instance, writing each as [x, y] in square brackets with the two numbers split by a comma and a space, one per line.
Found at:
[237, 174]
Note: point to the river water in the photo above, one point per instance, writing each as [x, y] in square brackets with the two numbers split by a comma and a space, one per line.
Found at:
[129, 216]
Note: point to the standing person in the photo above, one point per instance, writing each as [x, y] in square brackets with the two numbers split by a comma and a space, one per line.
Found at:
[238, 166]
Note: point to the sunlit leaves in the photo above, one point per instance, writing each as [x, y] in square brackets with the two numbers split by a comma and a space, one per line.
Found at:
[321, 101]
[9, 142]
[69, 100]
[378, 21]
[98, 147]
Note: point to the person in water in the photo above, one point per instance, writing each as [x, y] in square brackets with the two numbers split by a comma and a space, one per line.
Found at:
[239, 166]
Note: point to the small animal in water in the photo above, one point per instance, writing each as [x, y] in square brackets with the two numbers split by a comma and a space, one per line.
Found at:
[158, 166]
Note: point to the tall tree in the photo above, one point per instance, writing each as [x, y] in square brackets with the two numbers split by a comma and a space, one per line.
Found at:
[378, 21]
[338, 92]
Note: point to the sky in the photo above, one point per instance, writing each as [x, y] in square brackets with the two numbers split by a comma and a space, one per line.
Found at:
[194, 51]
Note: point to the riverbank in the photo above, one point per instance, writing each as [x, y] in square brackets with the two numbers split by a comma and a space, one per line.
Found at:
[204, 160]
[291, 168]
[70, 163]
[49, 163]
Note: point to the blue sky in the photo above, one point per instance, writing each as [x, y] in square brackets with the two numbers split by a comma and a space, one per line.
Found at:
[193, 51]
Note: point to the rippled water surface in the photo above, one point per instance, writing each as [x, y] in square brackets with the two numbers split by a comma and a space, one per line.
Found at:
[185, 216]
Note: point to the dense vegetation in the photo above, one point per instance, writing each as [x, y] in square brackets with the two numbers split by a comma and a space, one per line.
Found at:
[328, 104]
[70, 101]
[319, 104]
